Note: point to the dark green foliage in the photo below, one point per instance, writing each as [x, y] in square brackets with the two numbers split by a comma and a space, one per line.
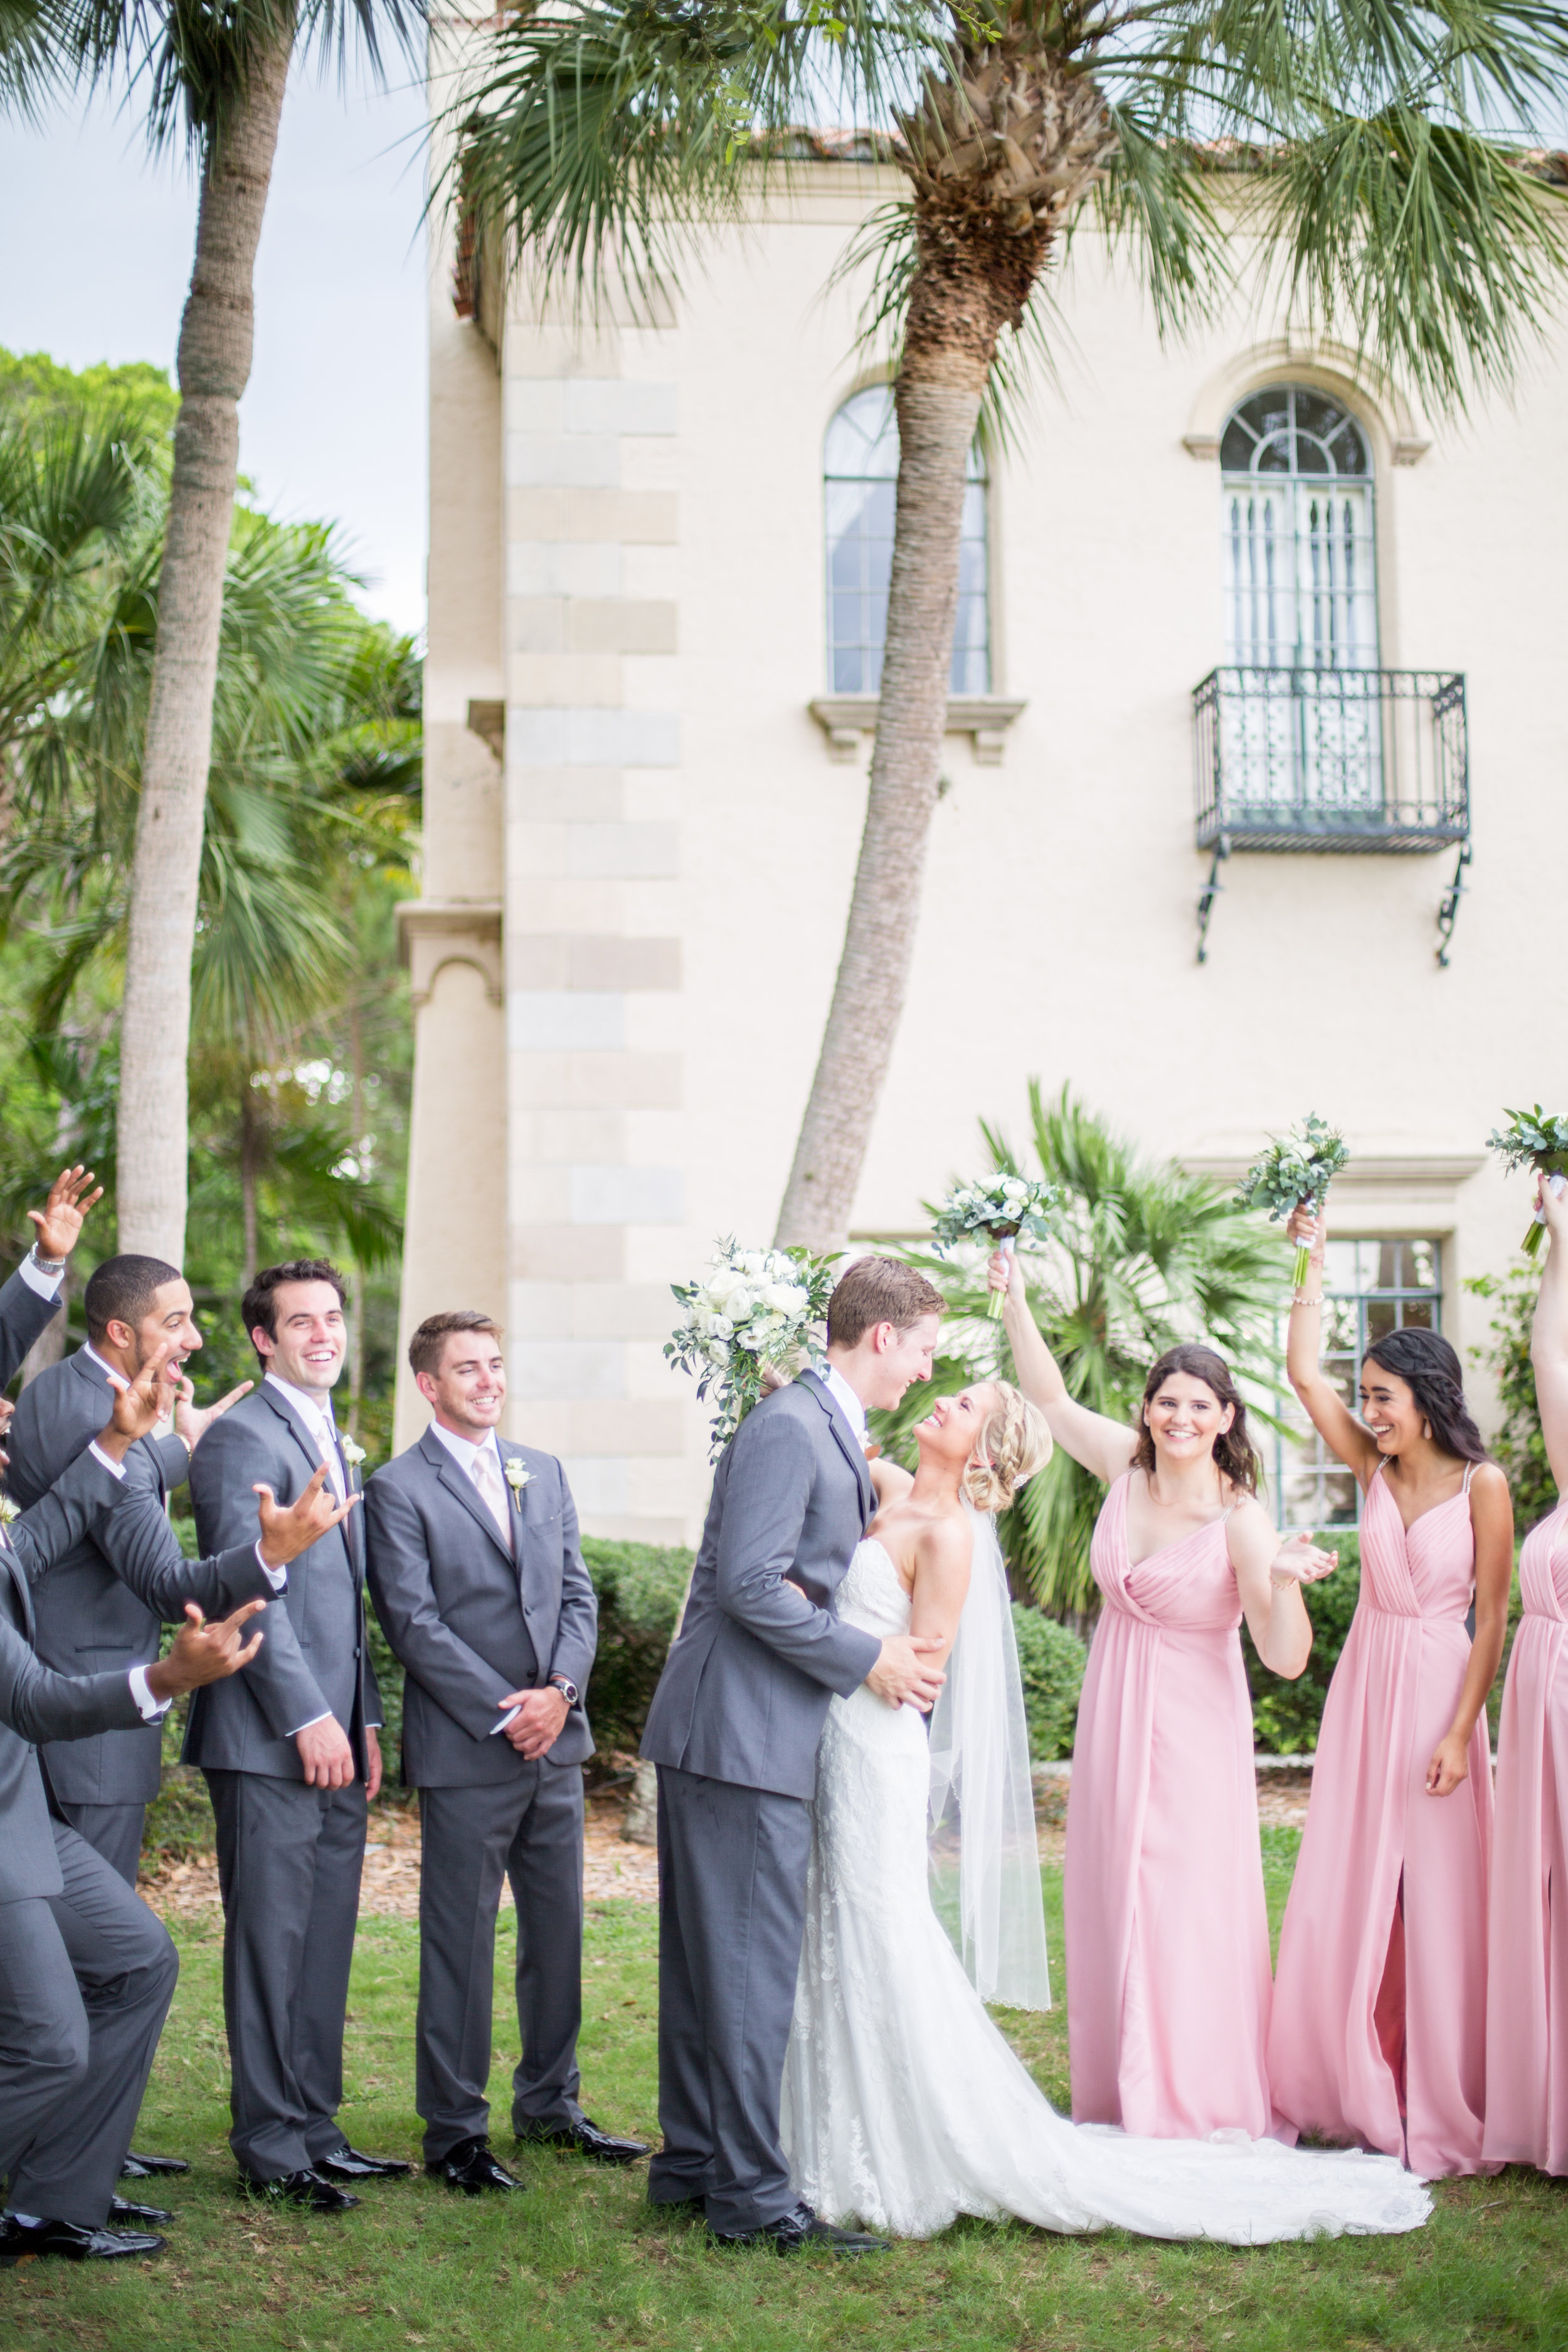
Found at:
[1051, 1660]
[1517, 1445]
[640, 1588]
[1286, 1715]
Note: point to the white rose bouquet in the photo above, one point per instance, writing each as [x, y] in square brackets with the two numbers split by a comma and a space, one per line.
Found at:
[1535, 1140]
[997, 1212]
[751, 1309]
[1295, 1171]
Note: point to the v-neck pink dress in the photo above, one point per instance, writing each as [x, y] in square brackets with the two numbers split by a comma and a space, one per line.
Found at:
[1167, 1932]
[1389, 1877]
[1527, 1973]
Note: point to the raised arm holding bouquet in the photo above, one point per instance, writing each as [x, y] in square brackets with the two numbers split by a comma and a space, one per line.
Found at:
[1534, 1139]
[997, 1213]
[1295, 1173]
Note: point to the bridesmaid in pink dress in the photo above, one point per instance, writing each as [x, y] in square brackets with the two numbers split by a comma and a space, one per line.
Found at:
[1527, 1980]
[1379, 2031]
[1167, 1934]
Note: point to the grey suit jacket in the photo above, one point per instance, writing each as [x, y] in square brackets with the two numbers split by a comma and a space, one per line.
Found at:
[23, 1315]
[36, 1703]
[314, 1660]
[470, 1620]
[760, 1653]
[105, 1604]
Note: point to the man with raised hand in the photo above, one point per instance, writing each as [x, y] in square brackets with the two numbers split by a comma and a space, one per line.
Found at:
[478, 1576]
[86, 1972]
[31, 1298]
[289, 1751]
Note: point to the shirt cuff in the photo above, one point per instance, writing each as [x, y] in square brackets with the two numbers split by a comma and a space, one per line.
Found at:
[48, 1286]
[505, 1720]
[154, 1710]
[278, 1578]
[326, 1716]
[115, 1469]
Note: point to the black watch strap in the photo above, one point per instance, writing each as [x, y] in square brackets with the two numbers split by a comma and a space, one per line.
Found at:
[567, 1688]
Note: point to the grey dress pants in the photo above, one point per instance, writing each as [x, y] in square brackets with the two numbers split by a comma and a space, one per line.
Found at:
[112, 1831]
[731, 1917]
[527, 1829]
[86, 1979]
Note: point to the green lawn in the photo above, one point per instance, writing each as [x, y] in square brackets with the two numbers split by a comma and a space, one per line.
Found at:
[581, 2261]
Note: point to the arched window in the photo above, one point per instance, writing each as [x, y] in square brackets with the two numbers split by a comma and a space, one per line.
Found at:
[860, 474]
[1301, 562]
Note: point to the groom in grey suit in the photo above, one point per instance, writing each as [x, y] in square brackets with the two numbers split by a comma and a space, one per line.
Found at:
[734, 1729]
[477, 1578]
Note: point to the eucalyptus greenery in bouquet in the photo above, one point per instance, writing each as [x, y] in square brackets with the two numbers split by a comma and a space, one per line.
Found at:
[996, 1212]
[1535, 1140]
[751, 1309]
[1295, 1173]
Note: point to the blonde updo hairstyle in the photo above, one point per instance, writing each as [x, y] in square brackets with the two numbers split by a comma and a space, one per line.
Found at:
[1013, 1444]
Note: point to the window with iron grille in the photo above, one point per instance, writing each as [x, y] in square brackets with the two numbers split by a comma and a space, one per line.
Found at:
[860, 479]
[1370, 1289]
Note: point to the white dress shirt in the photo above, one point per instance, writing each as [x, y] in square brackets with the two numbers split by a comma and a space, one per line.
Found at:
[317, 1410]
[48, 1286]
[469, 1454]
[845, 1398]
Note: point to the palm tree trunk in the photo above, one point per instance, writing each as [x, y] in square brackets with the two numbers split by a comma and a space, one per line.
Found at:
[357, 1273]
[249, 1167]
[939, 394]
[215, 338]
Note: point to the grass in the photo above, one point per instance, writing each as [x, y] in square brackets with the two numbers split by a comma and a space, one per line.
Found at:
[580, 2264]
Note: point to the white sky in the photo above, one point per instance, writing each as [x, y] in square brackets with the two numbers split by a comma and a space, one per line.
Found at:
[95, 257]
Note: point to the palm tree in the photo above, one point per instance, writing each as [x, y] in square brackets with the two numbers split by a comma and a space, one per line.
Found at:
[1142, 1254]
[1349, 158]
[215, 73]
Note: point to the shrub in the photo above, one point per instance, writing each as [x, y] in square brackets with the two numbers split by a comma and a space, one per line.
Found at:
[640, 1589]
[1051, 1660]
[1518, 1445]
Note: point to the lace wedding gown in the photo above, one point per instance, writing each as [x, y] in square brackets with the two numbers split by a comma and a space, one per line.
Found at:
[903, 2107]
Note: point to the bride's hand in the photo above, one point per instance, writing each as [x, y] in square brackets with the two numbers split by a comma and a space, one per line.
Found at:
[774, 1377]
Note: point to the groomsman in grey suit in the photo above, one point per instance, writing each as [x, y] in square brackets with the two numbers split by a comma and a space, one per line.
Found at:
[31, 1298]
[104, 1606]
[478, 1576]
[86, 1972]
[291, 1759]
[734, 1729]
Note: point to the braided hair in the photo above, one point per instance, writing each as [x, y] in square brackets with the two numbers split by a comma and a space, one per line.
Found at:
[1429, 1366]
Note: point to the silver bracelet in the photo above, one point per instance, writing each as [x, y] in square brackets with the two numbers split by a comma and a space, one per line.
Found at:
[1306, 1302]
[45, 1264]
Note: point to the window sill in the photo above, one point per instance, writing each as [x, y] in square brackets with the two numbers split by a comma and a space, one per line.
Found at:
[844, 719]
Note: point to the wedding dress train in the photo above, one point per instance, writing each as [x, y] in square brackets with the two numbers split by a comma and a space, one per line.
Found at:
[903, 2105]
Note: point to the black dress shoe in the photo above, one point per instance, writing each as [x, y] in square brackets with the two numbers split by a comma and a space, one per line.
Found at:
[584, 2138]
[139, 2217]
[471, 2167]
[72, 2244]
[347, 2163]
[802, 2228]
[151, 2168]
[305, 2188]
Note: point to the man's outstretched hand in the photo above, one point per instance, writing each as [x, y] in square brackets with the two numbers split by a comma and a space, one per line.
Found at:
[141, 1405]
[903, 1675]
[192, 1420]
[57, 1225]
[286, 1533]
[203, 1653]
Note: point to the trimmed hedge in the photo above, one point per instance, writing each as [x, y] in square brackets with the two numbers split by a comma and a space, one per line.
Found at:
[1051, 1660]
[640, 1588]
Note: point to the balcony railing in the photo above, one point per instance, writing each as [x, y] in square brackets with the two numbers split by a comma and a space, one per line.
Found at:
[1332, 760]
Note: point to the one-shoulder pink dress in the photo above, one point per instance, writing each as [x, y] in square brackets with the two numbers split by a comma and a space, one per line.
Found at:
[1526, 1971]
[1167, 1931]
[1379, 2029]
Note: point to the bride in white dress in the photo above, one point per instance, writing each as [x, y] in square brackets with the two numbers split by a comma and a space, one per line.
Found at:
[903, 2107]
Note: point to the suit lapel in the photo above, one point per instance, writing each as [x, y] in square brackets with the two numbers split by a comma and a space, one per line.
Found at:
[305, 1438]
[458, 1483]
[848, 1446]
[11, 1566]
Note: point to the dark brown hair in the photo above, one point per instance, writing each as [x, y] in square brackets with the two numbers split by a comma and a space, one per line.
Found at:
[1233, 1449]
[258, 1308]
[878, 1290]
[428, 1344]
[123, 1290]
[1429, 1366]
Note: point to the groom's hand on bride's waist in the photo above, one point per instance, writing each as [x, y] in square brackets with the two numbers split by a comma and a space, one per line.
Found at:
[904, 1673]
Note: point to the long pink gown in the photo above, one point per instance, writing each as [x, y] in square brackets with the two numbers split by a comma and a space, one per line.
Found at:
[1167, 1932]
[1527, 1980]
[1380, 1987]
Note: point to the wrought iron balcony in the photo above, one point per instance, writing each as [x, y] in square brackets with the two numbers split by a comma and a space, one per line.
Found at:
[1362, 759]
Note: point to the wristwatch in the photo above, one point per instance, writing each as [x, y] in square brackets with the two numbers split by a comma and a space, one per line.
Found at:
[45, 1264]
[567, 1688]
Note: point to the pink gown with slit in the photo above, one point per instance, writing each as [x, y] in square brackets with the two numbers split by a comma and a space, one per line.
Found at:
[1527, 1978]
[1379, 2029]
[1167, 1931]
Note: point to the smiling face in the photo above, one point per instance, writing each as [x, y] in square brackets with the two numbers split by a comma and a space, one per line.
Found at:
[312, 1336]
[952, 1429]
[467, 1392]
[888, 1362]
[170, 1316]
[1183, 1417]
[1389, 1409]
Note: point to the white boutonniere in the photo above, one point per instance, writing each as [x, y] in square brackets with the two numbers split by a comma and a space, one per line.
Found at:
[517, 1477]
[354, 1452]
[8, 1510]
